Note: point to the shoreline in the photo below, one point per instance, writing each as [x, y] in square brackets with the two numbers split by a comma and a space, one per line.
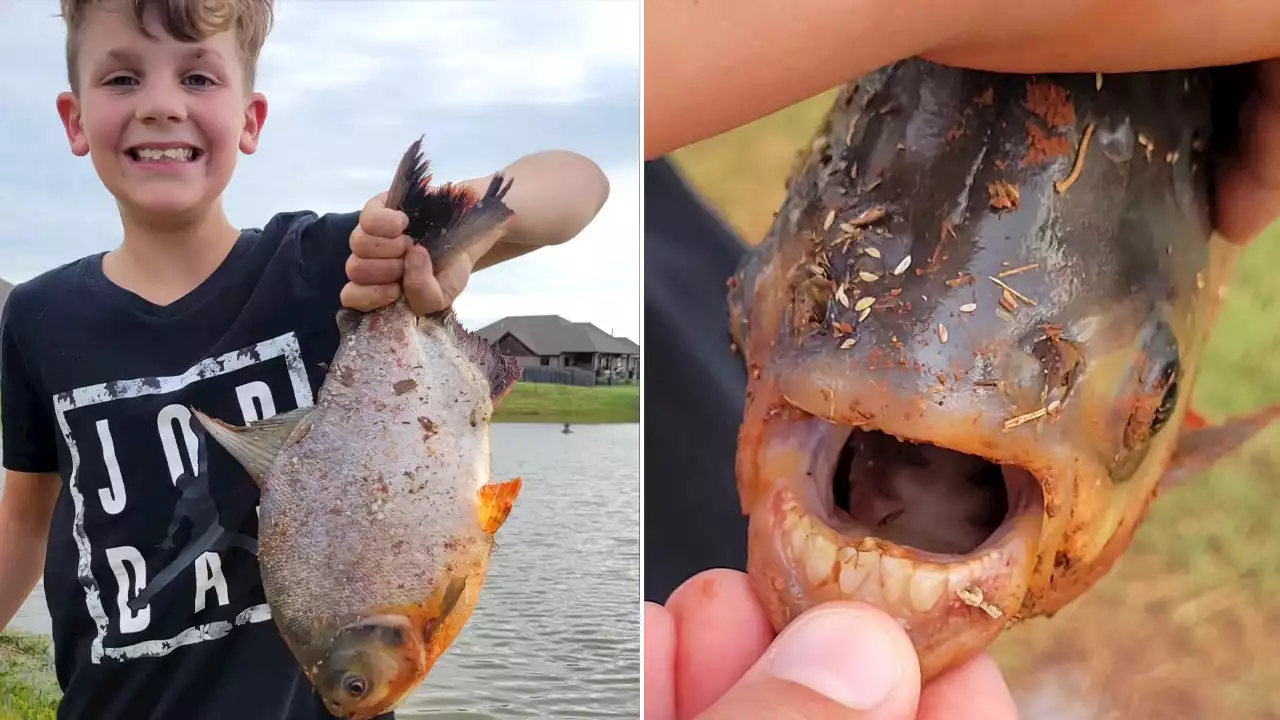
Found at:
[557, 404]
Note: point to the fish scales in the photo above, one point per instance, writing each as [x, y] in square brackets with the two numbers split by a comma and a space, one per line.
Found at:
[929, 431]
[378, 514]
[365, 463]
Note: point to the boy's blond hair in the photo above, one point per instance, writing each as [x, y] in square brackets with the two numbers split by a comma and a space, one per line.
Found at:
[184, 20]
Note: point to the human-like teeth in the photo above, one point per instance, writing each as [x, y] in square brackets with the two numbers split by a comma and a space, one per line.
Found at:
[915, 586]
[927, 584]
[184, 154]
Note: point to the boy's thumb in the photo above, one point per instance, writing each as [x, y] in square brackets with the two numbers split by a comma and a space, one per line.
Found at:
[840, 660]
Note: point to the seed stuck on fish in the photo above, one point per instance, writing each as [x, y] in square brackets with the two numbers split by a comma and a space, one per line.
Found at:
[973, 597]
[902, 266]
[942, 333]
[968, 307]
[873, 252]
[841, 296]
[864, 303]
[867, 276]
[1004, 195]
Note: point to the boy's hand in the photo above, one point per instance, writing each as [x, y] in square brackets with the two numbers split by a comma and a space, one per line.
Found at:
[384, 262]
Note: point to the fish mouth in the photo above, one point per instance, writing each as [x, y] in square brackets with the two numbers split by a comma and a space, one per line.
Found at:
[942, 540]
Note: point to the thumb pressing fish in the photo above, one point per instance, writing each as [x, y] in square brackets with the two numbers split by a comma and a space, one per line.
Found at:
[377, 514]
[972, 335]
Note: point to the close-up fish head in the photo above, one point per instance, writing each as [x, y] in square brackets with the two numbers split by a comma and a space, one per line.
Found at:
[972, 335]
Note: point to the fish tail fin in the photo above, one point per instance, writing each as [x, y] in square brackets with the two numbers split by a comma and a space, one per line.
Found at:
[449, 218]
[496, 501]
[501, 369]
[1201, 444]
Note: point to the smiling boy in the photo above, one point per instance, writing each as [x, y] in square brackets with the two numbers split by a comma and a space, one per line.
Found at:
[100, 359]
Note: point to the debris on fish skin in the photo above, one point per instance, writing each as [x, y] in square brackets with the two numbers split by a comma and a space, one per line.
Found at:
[378, 509]
[989, 450]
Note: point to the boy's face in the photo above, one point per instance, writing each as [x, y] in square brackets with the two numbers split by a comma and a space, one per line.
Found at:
[143, 101]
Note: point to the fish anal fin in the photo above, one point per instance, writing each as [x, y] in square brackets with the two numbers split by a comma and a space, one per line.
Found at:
[257, 445]
[1200, 444]
[496, 501]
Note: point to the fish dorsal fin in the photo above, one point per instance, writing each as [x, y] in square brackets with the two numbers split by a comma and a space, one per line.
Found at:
[256, 445]
[447, 219]
[496, 501]
[1200, 444]
[500, 369]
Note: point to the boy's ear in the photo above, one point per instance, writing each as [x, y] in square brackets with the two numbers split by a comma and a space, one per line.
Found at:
[255, 116]
[69, 111]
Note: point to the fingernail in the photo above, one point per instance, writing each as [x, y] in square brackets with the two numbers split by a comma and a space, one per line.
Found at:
[842, 654]
[417, 258]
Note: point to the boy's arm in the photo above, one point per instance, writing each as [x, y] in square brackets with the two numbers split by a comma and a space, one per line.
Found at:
[26, 509]
[553, 194]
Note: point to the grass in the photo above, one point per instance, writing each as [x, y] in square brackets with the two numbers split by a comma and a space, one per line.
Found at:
[547, 403]
[1186, 625]
[28, 688]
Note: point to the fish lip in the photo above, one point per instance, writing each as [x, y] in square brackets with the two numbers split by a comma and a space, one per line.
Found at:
[950, 605]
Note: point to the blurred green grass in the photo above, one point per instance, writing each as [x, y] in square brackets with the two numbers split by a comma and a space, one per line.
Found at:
[1186, 625]
[28, 688]
[548, 403]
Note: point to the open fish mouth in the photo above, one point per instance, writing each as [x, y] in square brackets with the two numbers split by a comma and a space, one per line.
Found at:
[942, 540]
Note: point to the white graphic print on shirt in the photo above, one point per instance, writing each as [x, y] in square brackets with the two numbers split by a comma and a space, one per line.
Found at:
[174, 427]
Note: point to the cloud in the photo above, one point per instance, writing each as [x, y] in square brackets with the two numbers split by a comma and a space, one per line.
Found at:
[349, 85]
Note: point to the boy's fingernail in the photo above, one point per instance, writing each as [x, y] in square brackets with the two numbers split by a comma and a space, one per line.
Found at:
[843, 654]
[416, 259]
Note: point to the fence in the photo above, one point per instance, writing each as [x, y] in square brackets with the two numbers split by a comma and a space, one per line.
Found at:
[558, 376]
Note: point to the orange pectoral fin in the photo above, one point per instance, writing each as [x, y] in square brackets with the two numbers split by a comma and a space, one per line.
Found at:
[496, 501]
[1200, 445]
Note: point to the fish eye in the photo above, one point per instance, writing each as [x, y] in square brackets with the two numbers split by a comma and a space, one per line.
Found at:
[1169, 400]
[355, 686]
[1158, 386]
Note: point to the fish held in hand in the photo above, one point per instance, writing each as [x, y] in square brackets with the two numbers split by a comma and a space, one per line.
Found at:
[971, 336]
[378, 514]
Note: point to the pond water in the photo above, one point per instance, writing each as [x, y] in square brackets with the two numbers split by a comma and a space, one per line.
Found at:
[557, 631]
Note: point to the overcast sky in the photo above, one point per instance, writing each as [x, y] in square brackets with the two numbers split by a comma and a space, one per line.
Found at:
[349, 86]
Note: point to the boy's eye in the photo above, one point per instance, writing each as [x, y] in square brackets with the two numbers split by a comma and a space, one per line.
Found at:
[201, 80]
[120, 80]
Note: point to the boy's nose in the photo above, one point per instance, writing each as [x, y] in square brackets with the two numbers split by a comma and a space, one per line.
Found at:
[161, 102]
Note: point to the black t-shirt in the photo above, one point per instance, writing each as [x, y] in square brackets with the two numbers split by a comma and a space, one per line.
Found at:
[694, 392]
[96, 383]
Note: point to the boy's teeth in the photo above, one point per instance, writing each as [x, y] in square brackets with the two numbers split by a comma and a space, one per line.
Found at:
[183, 154]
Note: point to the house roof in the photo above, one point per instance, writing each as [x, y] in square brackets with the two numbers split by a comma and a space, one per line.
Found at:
[553, 335]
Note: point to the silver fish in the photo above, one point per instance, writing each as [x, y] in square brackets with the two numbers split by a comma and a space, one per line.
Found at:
[378, 514]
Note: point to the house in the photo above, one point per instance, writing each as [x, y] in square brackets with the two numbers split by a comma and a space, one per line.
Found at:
[552, 342]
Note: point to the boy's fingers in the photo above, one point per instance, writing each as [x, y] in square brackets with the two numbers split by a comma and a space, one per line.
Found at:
[1248, 184]
[374, 246]
[369, 297]
[421, 288]
[373, 271]
[376, 219]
